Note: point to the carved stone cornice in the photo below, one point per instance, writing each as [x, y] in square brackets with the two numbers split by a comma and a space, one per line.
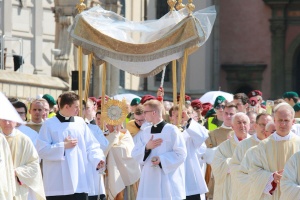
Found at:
[244, 72]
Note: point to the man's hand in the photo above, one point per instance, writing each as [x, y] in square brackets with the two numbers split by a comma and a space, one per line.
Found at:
[152, 144]
[70, 143]
[155, 160]
[101, 164]
[185, 116]
[160, 92]
[278, 176]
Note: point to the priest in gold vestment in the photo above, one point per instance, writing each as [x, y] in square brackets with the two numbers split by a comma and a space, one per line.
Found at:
[123, 170]
[240, 180]
[216, 137]
[271, 155]
[26, 162]
[221, 162]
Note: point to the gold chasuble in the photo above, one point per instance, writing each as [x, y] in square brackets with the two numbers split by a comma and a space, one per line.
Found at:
[290, 181]
[27, 168]
[132, 128]
[123, 170]
[7, 180]
[217, 136]
[221, 170]
[235, 166]
[270, 156]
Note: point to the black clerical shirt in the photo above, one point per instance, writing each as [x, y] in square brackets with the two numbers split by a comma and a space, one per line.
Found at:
[64, 119]
[155, 129]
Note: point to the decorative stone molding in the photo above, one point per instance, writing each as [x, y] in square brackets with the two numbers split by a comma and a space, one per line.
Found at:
[244, 76]
[278, 27]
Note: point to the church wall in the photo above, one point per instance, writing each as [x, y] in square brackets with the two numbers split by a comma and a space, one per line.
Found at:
[23, 84]
[245, 36]
[292, 32]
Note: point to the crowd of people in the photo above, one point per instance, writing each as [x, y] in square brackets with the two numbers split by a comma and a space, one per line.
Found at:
[246, 148]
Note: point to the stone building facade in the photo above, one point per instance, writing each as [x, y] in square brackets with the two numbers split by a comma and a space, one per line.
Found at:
[260, 46]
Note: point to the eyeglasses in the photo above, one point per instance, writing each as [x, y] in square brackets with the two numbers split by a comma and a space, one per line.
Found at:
[22, 113]
[218, 107]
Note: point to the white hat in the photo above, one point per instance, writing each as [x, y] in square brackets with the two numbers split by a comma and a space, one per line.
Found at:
[7, 111]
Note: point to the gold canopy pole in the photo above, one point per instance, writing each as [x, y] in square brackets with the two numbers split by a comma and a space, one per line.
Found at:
[172, 4]
[88, 77]
[80, 7]
[174, 77]
[79, 54]
[103, 90]
[182, 87]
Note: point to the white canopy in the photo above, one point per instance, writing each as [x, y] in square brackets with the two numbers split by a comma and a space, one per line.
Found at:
[141, 48]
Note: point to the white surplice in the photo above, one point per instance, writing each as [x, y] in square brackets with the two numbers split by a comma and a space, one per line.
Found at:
[32, 134]
[95, 180]
[64, 170]
[168, 182]
[194, 136]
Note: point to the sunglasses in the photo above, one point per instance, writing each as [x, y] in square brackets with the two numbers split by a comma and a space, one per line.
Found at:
[218, 107]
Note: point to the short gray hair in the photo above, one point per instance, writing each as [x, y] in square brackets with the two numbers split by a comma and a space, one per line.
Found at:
[240, 114]
[286, 106]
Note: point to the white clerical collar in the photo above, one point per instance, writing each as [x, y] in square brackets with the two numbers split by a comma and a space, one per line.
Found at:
[280, 138]
[226, 127]
[256, 138]
[13, 133]
[237, 140]
[66, 118]
[155, 125]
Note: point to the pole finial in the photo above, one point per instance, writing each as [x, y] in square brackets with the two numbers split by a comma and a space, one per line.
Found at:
[190, 6]
[172, 4]
[179, 5]
[81, 6]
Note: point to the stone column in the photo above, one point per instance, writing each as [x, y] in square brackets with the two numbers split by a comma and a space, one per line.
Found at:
[7, 15]
[278, 29]
[38, 36]
[6, 23]
[64, 59]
